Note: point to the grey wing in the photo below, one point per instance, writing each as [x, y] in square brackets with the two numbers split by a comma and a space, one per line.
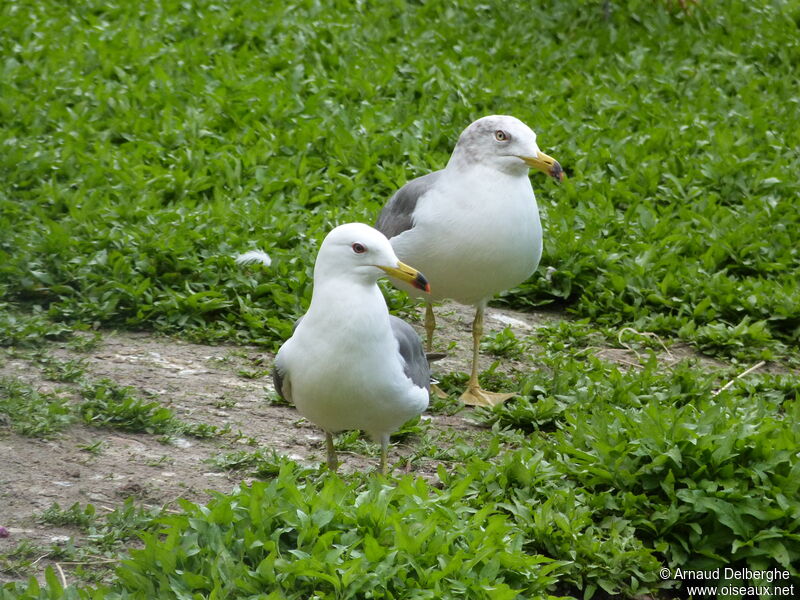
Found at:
[283, 385]
[415, 364]
[397, 216]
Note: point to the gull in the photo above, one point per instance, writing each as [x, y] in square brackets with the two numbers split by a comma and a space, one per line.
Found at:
[350, 364]
[473, 227]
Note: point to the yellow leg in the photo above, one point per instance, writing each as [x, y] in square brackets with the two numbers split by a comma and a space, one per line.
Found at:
[475, 395]
[333, 463]
[430, 325]
[384, 453]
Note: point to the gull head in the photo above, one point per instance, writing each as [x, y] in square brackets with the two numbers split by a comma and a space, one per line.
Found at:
[506, 144]
[358, 252]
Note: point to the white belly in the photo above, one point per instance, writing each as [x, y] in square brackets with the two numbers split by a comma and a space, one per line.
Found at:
[475, 243]
[338, 385]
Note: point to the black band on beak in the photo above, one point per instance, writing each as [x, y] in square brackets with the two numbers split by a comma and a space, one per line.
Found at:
[557, 172]
[421, 283]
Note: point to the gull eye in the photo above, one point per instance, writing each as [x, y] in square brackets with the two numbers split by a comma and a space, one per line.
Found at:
[358, 248]
[501, 136]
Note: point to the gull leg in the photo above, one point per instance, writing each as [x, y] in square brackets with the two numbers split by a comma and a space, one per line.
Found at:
[333, 464]
[430, 325]
[475, 395]
[384, 453]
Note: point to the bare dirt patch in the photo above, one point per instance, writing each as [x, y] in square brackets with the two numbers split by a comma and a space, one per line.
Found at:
[226, 386]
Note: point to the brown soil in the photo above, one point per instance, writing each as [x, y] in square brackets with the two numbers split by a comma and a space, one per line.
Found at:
[202, 384]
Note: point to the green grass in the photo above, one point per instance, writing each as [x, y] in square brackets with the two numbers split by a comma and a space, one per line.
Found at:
[138, 161]
[105, 536]
[710, 475]
[258, 463]
[103, 403]
[107, 404]
[145, 144]
[65, 371]
[30, 412]
[301, 535]
[503, 344]
[28, 330]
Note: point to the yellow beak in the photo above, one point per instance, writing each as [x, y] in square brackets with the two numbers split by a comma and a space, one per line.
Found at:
[545, 164]
[408, 274]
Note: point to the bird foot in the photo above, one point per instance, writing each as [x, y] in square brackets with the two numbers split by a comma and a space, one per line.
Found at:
[476, 396]
[438, 392]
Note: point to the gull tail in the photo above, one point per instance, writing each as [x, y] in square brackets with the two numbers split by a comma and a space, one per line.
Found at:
[254, 256]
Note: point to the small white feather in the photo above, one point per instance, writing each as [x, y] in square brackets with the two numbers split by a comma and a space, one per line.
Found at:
[254, 256]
